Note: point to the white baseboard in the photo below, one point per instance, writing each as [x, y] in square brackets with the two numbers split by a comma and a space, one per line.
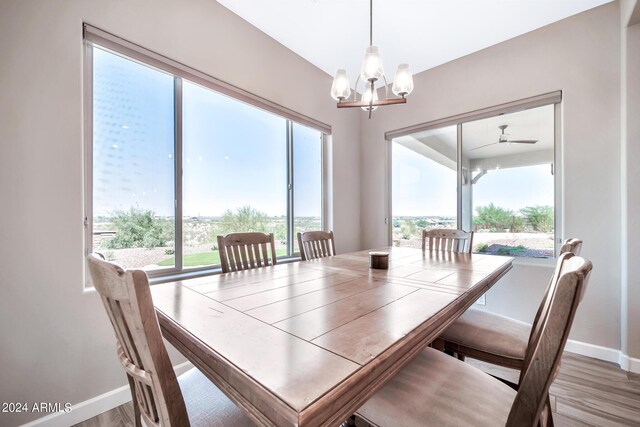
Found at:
[630, 364]
[591, 350]
[90, 408]
[607, 354]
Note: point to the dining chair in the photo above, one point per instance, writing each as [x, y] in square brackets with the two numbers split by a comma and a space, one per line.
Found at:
[436, 389]
[572, 245]
[316, 244]
[494, 338]
[244, 251]
[159, 397]
[447, 239]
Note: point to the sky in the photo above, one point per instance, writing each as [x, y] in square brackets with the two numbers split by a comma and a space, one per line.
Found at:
[233, 154]
[422, 187]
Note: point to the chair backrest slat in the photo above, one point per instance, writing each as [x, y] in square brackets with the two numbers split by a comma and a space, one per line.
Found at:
[244, 251]
[542, 359]
[572, 245]
[316, 244]
[447, 240]
[236, 257]
[264, 252]
[141, 351]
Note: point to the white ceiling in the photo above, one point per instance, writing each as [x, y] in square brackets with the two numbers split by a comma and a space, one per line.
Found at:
[534, 124]
[333, 34]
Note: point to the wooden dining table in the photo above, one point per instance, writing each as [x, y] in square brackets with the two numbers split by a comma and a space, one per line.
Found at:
[307, 343]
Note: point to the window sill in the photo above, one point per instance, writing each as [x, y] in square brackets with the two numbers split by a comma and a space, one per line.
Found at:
[534, 262]
[184, 275]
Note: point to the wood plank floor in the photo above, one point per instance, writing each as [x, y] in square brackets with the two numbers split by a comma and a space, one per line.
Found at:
[587, 392]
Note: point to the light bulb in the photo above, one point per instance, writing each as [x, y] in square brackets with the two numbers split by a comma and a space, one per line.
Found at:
[403, 82]
[366, 96]
[372, 65]
[340, 89]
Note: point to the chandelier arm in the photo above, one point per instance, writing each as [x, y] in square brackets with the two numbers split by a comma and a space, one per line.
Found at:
[381, 102]
[355, 90]
[371, 100]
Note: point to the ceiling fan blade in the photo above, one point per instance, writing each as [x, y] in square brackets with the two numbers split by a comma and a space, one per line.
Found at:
[482, 146]
[523, 141]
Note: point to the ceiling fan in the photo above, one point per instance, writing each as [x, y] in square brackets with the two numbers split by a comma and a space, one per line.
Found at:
[504, 138]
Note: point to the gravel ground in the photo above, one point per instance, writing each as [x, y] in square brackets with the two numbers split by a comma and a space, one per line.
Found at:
[497, 249]
[542, 242]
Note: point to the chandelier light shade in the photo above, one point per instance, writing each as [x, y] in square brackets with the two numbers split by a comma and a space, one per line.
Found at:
[370, 96]
[403, 83]
[340, 89]
[372, 65]
[371, 72]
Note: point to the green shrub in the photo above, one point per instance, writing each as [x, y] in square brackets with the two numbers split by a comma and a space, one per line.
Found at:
[245, 219]
[493, 217]
[136, 228]
[511, 251]
[280, 232]
[517, 225]
[482, 247]
[408, 229]
[540, 217]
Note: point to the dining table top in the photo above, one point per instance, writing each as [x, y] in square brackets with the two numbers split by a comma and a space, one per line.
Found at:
[306, 343]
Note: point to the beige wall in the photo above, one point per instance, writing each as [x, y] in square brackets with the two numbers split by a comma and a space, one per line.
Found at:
[57, 345]
[631, 146]
[580, 56]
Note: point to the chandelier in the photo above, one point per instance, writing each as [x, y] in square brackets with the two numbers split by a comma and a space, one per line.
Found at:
[370, 73]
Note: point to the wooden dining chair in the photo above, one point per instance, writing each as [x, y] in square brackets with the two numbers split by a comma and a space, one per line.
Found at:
[316, 244]
[435, 389]
[446, 239]
[158, 396]
[572, 245]
[244, 251]
[493, 338]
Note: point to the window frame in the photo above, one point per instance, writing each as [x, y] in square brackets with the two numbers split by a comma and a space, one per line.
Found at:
[93, 36]
[551, 98]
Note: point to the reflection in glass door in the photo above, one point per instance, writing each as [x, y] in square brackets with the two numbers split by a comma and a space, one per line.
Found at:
[424, 182]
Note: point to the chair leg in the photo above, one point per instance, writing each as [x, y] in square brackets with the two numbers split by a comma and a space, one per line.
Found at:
[549, 414]
[546, 417]
[438, 344]
[461, 357]
[134, 400]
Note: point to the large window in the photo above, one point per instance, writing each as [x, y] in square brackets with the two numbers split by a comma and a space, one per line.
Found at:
[175, 163]
[501, 186]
